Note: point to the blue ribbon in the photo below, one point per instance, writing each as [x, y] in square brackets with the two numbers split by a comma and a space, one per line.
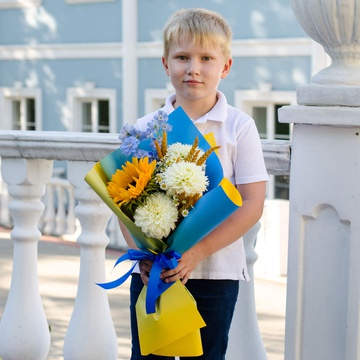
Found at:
[156, 286]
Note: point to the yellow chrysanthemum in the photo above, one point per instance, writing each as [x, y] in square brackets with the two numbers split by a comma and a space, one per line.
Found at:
[127, 184]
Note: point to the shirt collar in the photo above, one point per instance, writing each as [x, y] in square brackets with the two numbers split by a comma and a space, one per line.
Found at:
[217, 113]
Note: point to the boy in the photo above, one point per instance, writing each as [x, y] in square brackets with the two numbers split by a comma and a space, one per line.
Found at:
[196, 57]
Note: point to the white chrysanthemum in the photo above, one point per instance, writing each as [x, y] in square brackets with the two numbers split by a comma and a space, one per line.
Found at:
[179, 151]
[185, 177]
[157, 217]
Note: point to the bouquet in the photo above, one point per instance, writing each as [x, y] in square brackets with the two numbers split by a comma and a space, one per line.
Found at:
[158, 188]
[166, 185]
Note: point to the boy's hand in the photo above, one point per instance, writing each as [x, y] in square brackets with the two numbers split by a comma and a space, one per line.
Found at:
[145, 267]
[189, 260]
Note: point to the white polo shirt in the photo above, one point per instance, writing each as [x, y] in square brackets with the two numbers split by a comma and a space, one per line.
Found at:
[242, 160]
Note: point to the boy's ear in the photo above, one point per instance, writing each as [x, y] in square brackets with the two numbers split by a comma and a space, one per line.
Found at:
[226, 69]
[166, 67]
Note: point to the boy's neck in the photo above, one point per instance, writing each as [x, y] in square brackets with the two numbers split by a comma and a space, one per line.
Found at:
[195, 109]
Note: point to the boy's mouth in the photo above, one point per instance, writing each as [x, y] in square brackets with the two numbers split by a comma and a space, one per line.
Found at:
[192, 82]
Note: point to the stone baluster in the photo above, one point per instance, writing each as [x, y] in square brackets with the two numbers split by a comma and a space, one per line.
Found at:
[47, 219]
[70, 217]
[4, 199]
[91, 333]
[24, 331]
[323, 296]
[245, 340]
[60, 210]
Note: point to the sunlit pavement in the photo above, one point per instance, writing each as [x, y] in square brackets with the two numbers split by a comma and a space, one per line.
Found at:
[58, 268]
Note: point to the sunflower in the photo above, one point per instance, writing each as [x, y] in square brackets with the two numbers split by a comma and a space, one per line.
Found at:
[130, 182]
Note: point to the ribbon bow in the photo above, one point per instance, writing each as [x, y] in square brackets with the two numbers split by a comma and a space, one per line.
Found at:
[156, 285]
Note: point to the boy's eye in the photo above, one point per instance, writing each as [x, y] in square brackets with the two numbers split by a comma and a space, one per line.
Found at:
[206, 58]
[182, 57]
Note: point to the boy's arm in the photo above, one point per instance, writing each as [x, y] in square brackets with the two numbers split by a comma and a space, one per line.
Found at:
[230, 230]
[127, 236]
[144, 265]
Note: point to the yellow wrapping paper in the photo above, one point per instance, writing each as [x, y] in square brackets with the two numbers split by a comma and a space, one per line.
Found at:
[177, 331]
[174, 328]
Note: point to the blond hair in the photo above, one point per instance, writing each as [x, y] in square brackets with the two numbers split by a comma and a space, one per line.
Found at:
[201, 26]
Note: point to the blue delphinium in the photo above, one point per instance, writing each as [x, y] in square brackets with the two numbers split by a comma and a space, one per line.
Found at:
[159, 124]
[130, 145]
[130, 137]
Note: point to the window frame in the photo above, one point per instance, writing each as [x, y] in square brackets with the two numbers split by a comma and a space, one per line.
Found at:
[8, 95]
[154, 98]
[78, 95]
[246, 100]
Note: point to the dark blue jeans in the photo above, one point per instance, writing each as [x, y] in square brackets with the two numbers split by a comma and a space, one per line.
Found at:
[215, 301]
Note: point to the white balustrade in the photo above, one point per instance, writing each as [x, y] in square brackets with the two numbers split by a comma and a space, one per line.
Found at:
[47, 220]
[24, 332]
[58, 218]
[91, 305]
[91, 332]
[5, 219]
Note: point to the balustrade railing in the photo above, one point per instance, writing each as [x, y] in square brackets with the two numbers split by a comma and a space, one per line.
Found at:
[58, 217]
[26, 167]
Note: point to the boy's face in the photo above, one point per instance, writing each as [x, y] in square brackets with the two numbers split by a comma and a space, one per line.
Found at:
[195, 71]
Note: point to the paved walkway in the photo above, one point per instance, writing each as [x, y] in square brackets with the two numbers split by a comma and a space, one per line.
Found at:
[58, 268]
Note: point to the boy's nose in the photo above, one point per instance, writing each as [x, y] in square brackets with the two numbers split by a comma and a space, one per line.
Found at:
[193, 68]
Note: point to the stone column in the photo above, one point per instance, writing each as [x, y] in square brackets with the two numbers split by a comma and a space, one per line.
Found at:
[91, 333]
[24, 331]
[323, 297]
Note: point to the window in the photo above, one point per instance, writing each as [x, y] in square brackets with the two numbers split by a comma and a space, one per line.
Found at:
[24, 114]
[92, 109]
[155, 98]
[95, 116]
[263, 106]
[20, 108]
[259, 115]
[267, 122]
[281, 187]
